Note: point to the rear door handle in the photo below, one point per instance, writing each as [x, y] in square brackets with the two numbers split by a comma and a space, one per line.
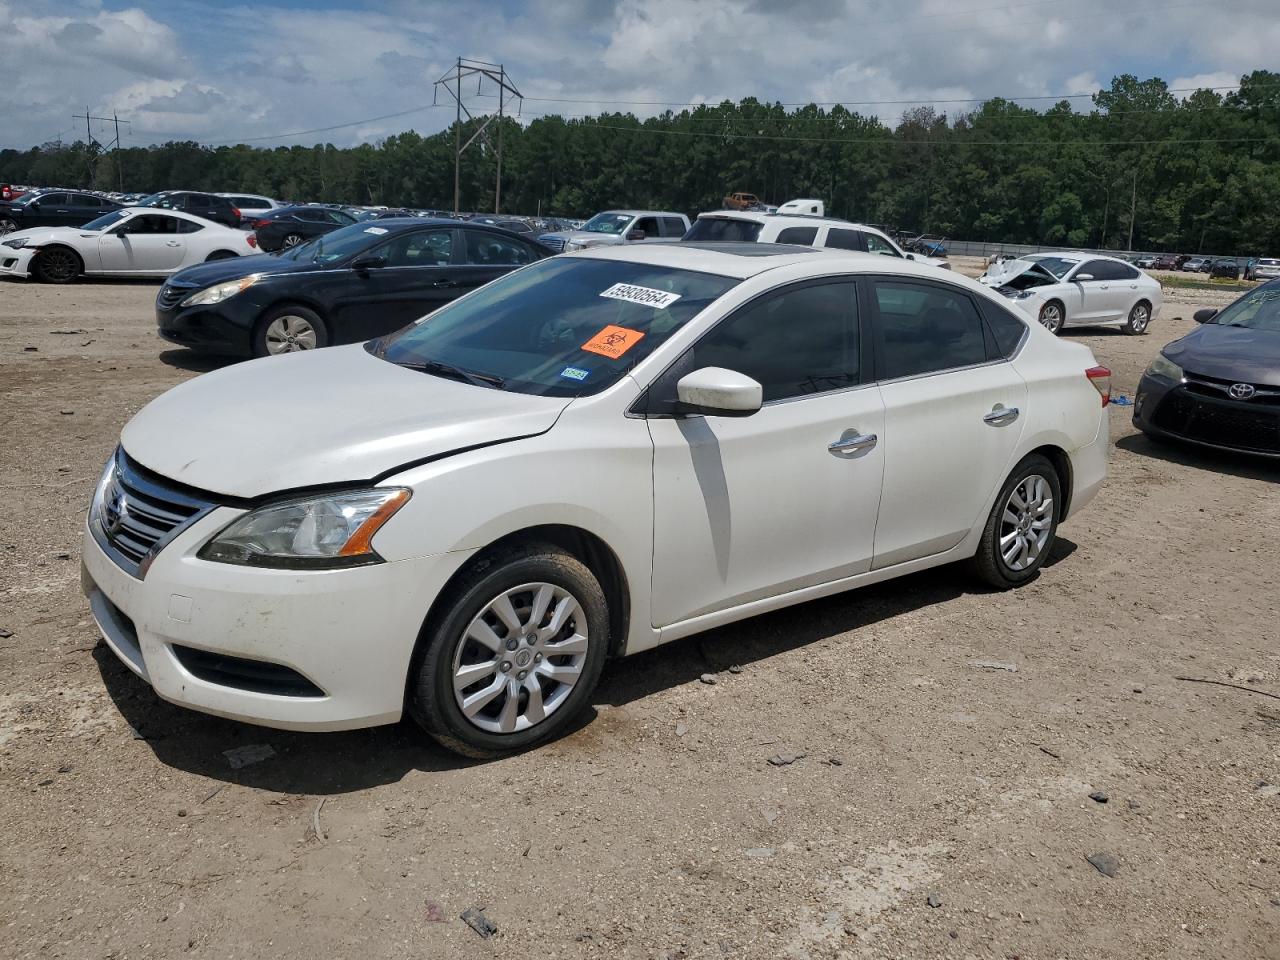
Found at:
[852, 444]
[1001, 416]
[444, 283]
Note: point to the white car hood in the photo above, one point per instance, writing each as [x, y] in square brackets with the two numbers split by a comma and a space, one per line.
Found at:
[336, 415]
[38, 236]
[999, 274]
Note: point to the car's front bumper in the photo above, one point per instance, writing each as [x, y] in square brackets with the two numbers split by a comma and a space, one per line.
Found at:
[225, 327]
[349, 634]
[1177, 410]
[16, 263]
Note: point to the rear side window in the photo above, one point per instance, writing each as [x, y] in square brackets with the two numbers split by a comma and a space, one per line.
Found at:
[844, 239]
[801, 235]
[715, 229]
[188, 226]
[491, 250]
[923, 329]
[649, 225]
[672, 227]
[796, 342]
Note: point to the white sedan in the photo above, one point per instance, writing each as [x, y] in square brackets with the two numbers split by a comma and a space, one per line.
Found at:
[1078, 290]
[594, 455]
[133, 242]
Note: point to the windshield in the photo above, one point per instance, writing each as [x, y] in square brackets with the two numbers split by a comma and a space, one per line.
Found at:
[561, 327]
[341, 243]
[613, 223]
[155, 200]
[1258, 310]
[106, 220]
[1058, 266]
[724, 228]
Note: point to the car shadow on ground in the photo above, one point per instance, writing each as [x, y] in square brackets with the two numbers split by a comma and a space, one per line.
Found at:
[1213, 461]
[194, 362]
[336, 763]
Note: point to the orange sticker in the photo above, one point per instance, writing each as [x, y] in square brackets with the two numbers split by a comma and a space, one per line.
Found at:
[613, 342]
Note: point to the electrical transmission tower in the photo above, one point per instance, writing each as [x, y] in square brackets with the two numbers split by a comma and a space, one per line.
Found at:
[452, 82]
[114, 146]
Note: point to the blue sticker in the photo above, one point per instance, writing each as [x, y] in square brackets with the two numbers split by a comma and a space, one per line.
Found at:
[575, 373]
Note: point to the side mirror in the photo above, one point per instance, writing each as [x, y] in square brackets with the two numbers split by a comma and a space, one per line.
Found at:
[909, 256]
[368, 263]
[635, 235]
[1205, 315]
[1083, 276]
[717, 392]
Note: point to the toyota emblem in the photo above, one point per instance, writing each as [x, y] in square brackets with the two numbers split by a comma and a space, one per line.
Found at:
[1241, 391]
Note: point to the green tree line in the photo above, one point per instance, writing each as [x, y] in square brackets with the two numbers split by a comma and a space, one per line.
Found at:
[1141, 169]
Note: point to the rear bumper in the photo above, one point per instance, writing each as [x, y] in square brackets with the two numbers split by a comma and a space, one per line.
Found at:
[1089, 467]
[344, 638]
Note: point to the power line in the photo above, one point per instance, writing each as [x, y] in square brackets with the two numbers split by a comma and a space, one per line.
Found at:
[296, 133]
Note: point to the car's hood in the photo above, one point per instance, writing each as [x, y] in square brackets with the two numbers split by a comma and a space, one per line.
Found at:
[587, 236]
[337, 415]
[1229, 353]
[233, 268]
[998, 274]
[35, 236]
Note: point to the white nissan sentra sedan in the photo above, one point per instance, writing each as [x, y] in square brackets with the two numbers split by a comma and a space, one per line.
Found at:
[597, 454]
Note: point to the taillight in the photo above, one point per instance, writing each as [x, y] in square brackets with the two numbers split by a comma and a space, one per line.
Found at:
[252, 239]
[236, 212]
[261, 223]
[1100, 377]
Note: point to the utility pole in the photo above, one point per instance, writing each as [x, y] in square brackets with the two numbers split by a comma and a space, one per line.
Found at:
[114, 146]
[1133, 207]
[451, 82]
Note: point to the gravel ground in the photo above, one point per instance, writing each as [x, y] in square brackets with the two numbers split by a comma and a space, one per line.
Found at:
[935, 807]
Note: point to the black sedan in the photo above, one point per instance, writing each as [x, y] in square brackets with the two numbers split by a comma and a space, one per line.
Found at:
[52, 208]
[359, 282]
[208, 206]
[290, 226]
[1219, 386]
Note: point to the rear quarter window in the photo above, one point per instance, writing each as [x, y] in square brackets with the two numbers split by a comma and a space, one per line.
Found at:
[801, 235]
[724, 229]
[1006, 329]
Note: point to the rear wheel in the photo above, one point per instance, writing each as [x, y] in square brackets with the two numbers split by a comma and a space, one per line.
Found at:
[220, 255]
[1139, 317]
[1052, 316]
[56, 265]
[290, 240]
[1022, 526]
[289, 329]
[514, 655]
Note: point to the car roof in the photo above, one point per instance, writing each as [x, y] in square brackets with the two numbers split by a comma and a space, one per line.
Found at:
[799, 219]
[743, 260]
[640, 213]
[165, 212]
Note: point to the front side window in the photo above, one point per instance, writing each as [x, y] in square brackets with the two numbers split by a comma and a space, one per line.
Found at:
[150, 223]
[720, 229]
[878, 244]
[53, 200]
[338, 217]
[432, 249]
[801, 235]
[925, 329]
[794, 343]
[492, 250]
[1098, 269]
[560, 327]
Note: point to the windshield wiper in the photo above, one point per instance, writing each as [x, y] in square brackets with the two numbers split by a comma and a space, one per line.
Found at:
[441, 369]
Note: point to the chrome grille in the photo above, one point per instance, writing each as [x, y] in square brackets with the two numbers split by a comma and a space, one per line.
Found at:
[136, 513]
[171, 295]
[552, 241]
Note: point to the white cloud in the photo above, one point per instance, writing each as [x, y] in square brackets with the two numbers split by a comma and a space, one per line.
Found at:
[182, 69]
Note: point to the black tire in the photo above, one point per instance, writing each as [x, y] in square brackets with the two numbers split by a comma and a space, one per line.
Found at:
[1138, 321]
[1046, 314]
[264, 337]
[7, 225]
[291, 240]
[431, 699]
[989, 562]
[57, 265]
[220, 255]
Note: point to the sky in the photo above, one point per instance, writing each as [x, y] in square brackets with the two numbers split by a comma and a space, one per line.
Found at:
[267, 72]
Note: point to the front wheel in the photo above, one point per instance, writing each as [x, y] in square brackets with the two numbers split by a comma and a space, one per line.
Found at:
[7, 225]
[514, 655]
[1052, 317]
[289, 329]
[1022, 526]
[1139, 317]
[56, 265]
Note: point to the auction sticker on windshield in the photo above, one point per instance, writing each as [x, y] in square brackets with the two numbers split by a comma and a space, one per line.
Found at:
[613, 342]
[647, 296]
[376, 230]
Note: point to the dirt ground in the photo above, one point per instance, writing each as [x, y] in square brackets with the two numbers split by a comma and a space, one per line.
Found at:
[937, 808]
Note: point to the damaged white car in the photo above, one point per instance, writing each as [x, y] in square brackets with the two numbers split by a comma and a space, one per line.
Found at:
[1078, 290]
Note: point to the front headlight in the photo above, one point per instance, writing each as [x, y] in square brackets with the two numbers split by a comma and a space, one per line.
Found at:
[1162, 366]
[316, 532]
[221, 291]
[16, 244]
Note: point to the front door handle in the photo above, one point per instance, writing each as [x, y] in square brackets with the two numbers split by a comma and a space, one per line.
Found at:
[172, 243]
[444, 283]
[1000, 416]
[855, 443]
